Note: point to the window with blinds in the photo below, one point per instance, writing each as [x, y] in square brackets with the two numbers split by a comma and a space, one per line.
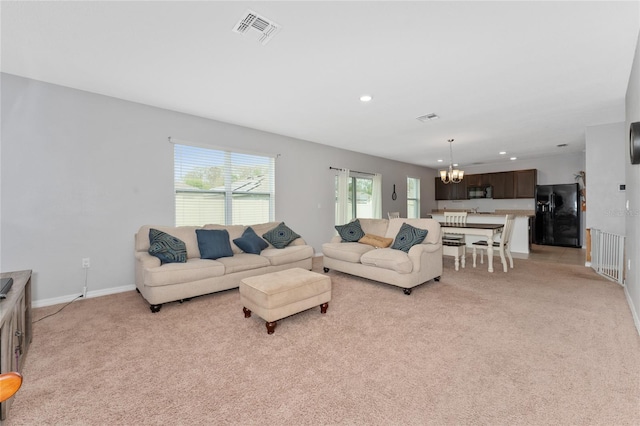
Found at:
[222, 187]
[413, 197]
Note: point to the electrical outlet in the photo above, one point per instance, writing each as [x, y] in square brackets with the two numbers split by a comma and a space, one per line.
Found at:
[86, 262]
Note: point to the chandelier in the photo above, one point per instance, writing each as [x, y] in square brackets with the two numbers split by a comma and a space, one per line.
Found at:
[452, 175]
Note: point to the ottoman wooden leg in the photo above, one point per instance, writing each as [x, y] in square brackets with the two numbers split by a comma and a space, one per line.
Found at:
[323, 308]
[271, 327]
[247, 312]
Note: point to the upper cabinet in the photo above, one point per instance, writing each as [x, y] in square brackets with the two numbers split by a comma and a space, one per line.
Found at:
[504, 185]
[525, 182]
[451, 191]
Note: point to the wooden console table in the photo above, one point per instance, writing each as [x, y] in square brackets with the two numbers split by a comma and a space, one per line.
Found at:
[15, 327]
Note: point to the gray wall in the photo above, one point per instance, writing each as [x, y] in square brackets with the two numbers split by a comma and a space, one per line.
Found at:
[82, 172]
[632, 173]
[606, 156]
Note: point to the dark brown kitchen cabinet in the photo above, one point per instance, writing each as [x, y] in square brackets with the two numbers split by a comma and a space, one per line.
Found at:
[451, 191]
[525, 182]
[474, 180]
[503, 185]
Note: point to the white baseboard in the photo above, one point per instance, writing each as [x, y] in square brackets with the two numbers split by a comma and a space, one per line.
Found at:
[634, 313]
[65, 299]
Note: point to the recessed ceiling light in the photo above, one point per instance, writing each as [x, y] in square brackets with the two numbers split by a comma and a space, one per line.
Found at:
[502, 152]
[513, 158]
[440, 160]
[366, 98]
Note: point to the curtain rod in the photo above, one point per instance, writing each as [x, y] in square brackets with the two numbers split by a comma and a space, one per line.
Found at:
[354, 171]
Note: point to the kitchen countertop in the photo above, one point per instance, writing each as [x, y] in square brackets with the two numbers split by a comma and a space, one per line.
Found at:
[526, 213]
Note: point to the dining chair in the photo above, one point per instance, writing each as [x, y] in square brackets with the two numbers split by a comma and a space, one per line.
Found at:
[503, 246]
[454, 218]
[393, 215]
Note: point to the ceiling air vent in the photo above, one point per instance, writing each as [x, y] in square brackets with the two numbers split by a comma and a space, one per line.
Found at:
[427, 117]
[262, 28]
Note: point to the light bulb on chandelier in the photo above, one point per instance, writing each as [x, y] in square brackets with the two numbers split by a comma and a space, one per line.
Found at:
[452, 175]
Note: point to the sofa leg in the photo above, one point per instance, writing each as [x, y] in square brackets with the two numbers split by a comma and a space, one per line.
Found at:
[436, 279]
[407, 291]
[326, 270]
[247, 312]
[323, 308]
[271, 327]
[184, 300]
[155, 308]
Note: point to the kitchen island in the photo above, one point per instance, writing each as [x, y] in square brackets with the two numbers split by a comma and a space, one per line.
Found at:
[520, 238]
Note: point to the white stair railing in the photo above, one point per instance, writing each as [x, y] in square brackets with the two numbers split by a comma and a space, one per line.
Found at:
[607, 255]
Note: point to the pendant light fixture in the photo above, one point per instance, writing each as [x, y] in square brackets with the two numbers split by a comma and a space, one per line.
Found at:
[452, 175]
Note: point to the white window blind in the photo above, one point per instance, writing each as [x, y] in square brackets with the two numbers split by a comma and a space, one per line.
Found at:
[413, 197]
[222, 187]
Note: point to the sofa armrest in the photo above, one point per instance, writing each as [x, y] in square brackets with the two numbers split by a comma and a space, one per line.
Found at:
[145, 260]
[420, 251]
[336, 239]
[298, 242]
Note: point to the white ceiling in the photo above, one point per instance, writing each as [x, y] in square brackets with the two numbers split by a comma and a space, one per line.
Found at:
[516, 76]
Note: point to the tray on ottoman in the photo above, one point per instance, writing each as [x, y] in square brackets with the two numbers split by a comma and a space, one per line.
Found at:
[280, 294]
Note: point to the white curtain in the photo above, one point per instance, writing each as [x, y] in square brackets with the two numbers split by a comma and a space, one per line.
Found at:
[376, 196]
[343, 213]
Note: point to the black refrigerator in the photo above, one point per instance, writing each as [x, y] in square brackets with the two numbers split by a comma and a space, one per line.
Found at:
[558, 215]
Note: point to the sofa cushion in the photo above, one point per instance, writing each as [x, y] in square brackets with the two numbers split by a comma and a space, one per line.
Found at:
[250, 242]
[280, 236]
[431, 225]
[184, 233]
[288, 254]
[167, 248]
[350, 232]
[348, 252]
[376, 241]
[408, 236]
[388, 258]
[243, 262]
[375, 226]
[178, 273]
[235, 231]
[213, 243]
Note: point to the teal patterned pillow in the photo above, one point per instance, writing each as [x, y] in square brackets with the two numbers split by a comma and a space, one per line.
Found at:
[351, 232]
[167, 248]
[408, 236]
[280, 236]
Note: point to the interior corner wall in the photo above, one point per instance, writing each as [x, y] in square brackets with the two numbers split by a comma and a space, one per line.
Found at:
[632, 173]
[606, 155]
[81, 172]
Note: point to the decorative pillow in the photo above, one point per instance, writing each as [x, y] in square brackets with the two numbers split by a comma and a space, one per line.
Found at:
[213, 243]
[250, 242]
[408, 236]
[376, 241]
[280, 236]
[167, 248]
[351, 232]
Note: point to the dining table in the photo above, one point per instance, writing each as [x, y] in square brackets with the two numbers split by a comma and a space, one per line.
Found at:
[489, 230]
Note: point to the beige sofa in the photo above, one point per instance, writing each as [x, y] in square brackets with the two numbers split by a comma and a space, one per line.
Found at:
[170, 282]
[420, 264]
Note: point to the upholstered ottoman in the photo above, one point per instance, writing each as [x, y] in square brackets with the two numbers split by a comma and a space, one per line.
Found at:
[280, 294]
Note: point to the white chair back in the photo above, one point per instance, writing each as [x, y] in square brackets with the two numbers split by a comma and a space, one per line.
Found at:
[507, 231]
[455, 218]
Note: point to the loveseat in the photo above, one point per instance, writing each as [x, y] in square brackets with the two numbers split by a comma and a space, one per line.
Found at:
[369, 253]
[174, 275]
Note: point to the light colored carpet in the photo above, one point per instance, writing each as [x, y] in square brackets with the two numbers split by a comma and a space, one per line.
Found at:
[543, 344]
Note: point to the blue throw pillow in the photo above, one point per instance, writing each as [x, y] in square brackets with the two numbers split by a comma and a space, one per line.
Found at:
[167, 248]
[408, 236]
[250, 242]
[280, 236]
[351, 232]
[214, 243]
